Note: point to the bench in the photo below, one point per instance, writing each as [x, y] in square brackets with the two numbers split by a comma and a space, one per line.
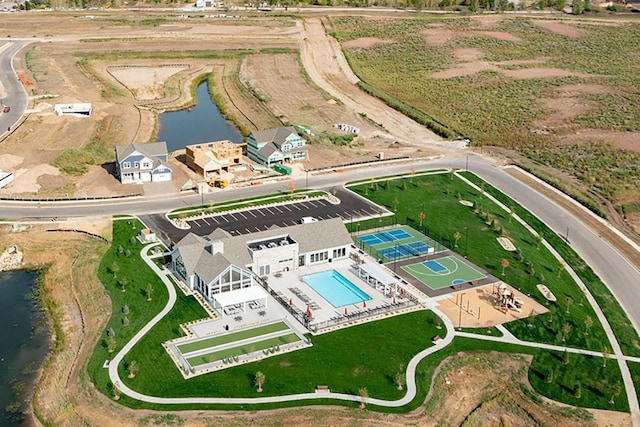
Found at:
[322, 389]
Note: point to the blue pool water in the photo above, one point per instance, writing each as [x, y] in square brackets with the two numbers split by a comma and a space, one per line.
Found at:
[335, 288]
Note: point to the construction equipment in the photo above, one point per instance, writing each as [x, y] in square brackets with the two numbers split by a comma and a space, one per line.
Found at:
[218, 182]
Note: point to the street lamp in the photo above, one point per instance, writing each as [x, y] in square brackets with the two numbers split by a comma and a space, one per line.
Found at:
[467, 164]
[306, 185]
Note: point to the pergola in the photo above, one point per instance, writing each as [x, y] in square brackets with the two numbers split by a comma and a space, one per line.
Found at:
[376, 276]
[239, 297]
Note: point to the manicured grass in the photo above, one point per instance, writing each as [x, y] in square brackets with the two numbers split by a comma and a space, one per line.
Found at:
[438, 197]
[234, 336]
[625, 332]
[367, 355]
[491, 331]
[243, 349]
[129, 266]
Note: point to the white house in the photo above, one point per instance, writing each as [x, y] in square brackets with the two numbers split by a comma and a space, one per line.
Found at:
[279, 145]
[220, 263]
[137, 163]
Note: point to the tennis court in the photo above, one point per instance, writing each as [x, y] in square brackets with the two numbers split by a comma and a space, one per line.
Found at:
[384, 237]
[443, 272]
[403, 251]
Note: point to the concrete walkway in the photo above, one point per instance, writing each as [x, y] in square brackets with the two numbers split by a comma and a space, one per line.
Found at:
[411, 388]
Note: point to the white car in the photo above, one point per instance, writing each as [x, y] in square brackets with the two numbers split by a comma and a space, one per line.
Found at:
[308, 220]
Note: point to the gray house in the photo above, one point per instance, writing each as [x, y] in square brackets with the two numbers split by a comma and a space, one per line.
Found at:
[137, 163]
[279, 145]
[220, 263]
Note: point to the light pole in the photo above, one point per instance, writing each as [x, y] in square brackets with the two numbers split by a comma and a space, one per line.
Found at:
[466, 242]
[306, 185]
[467, 164]
[460, 313]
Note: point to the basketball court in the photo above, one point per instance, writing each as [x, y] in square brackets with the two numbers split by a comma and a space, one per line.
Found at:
[443, 272]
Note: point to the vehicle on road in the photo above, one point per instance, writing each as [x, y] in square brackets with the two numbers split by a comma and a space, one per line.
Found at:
[6, 109]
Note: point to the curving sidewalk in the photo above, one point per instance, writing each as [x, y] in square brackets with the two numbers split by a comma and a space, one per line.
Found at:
[115, 362]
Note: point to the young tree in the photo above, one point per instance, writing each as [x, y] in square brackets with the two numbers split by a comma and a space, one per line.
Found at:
[125, 321]
[364, 394]
[512, 212]
[123, 284]
[111, 343]
[539, 239]
[615, 390]
[114, 270]
[259, 380]
[565, 357]
[588, 323]
[421, 215]
[292, 187]
[606, 352]
[577, 390]
[115, 390]
[550, 375]
[568, 300]
[125, 309]
[149, 291]
[566, 328]
[560, 267]
[531, 314]
[456, 237]
[132, 368]
[504, 263]
[400, 378]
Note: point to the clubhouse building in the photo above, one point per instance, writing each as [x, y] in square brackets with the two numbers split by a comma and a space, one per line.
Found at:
[222, 267]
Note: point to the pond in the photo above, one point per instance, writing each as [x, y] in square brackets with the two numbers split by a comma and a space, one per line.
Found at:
[25, 343]
[202, 123]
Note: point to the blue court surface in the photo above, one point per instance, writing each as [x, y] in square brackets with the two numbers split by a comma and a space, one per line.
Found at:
[402, 251]
[384, 237]
[435, 266]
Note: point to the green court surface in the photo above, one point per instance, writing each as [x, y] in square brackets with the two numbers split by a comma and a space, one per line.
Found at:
[381, 243]
[232, 337]
[242, 349]
[444, 272]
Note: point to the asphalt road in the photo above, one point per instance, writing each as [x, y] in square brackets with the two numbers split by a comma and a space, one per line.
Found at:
[622, 278]
[15, 95]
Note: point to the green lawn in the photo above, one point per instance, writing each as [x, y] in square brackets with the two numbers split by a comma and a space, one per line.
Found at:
[247, 348]
[625, 332]
[234, 336]
[438, 196]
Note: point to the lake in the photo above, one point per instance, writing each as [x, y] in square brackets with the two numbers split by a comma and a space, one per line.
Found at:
[203, 123]
[25, 343]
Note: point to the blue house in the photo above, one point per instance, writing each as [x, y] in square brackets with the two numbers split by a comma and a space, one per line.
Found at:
[279, 145]
[137, 163]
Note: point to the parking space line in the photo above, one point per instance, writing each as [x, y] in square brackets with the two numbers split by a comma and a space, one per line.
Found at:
[287, 208]
[234, 218]
[296, 206]
[225, 218]
[311, 203]
[196, 223]
[252, 214]
[242, 215]
[276, 208]
[261, 213]
[213, 218]
[257, 229]
[205, 221]
[248, 231]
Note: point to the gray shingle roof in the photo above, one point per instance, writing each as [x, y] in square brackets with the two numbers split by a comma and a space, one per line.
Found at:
[277, 135]
[268, 150]
[150, 150]
[210, 266]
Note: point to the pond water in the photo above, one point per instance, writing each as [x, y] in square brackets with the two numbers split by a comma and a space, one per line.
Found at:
[203, 123]
[25, 343]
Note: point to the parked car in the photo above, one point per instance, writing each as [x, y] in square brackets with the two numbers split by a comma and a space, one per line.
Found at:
[308, 219]
[7, 109]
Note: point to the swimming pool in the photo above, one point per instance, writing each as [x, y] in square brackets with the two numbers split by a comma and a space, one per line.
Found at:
[335, 288]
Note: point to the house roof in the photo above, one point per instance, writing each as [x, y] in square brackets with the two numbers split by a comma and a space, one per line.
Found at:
[268, 150]
[210, 266]
[277, 135]
[151, 150]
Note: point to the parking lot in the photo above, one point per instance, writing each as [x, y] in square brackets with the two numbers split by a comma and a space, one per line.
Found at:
[257, 219]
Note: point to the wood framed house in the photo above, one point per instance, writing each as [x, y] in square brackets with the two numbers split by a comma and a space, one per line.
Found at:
[138, 163]
[279, 145]
[210, 159]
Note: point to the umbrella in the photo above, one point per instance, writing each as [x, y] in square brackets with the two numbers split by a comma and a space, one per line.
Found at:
[309, 314]
[364, 304]
[290, 301]
[345, 311]
[401, 291]
[394, 300]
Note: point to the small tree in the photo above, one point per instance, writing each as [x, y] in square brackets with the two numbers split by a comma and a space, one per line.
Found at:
[539, 239]
[114, 270]
[568, 300]
[259, 380]
[504, 263]
[606, 352]
[120, 250]
[292, 187]
[125, 321]
[125, 309]
[560, 267]
[531, 314]
[149, 291]
[127, 253]
[115, 390]
[123, 284]
[132, 368]
[550, 375]
[456, 237]
[421, 215]
[363, 393]
[577, 390]
[588, 323]
[566, 328]
[615, 390]
[565, 357]
[111, 343]
[400, 378]
[512, 212]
